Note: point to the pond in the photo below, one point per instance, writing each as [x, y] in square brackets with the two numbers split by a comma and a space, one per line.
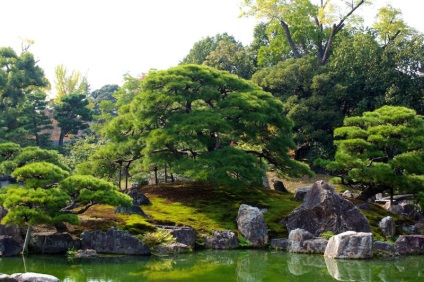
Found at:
[223, 266]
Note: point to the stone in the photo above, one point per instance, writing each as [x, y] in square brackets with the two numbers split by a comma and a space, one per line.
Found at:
[12, 231]
[34, 277]
[279, 243]
[302, 241]
[388, 226]
[410, 229]
[53, 243]
[350, 245]
[279, 186]
[349, 194]
[9, 246]
[138, 197]
[7, 278]
[89, 253]
[171, 249]
[300, 193]
[410, 244]
[182, 234]
[222, 240]
[324, 210]
[395, 209]
[251, 225]
[364, 206]
[130, 210]
[383, 249]
[114, 241]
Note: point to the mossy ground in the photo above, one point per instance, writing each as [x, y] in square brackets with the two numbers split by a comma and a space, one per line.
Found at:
[206, 208]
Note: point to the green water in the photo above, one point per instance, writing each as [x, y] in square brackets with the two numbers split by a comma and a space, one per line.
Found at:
[221, 266]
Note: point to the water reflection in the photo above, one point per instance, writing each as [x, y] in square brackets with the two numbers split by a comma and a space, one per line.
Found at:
[240, 266]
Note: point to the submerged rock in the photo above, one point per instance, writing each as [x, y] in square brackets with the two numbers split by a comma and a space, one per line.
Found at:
[324, 210]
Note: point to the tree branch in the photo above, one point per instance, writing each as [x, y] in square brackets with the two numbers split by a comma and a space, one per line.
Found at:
[290, 39]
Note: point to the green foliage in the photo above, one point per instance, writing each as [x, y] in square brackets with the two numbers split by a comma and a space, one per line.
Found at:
[327, 234]
[40, 174]
[381, 150]
[243, 242]
[158, 237]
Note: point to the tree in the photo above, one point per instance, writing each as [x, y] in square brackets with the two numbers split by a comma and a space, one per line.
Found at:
[380, 151]
[301, 27]
[69, 83]
[72, 114]
[199, 120]
[40, 174]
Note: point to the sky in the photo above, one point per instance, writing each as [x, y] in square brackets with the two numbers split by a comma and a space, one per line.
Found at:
[106, 39]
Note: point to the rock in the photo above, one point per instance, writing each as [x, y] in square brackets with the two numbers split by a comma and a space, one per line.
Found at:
[138, 197]
[279, 186]
[222, 240]
[410, 244]
[171, 249]
[350, 245]
[383, 249]
[114, 241]
[300, 193]
[324, 210]
[388, 226]
[34, 277]
[130, 210]
[89, 253]
[349, 194]
[7, 278]
[280, 243]
[9, 246]
[302, 241]
[395, 209]
[410, 229]
[12, 231]
[251, 224]
[53, 243]
[183, 234]
[364, 206]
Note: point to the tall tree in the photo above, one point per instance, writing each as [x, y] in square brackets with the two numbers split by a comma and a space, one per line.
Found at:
[72, 114]
[305, 27]
[69, 82]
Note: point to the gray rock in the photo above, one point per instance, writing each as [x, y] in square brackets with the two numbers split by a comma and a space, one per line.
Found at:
[222, 240]
[410, 229]
[7, 278]
[324, 210]
[89, 253]
[183, 234]
[410, 244]
[300, 193]
[53, 243]
[388, 226]
[350, 245]
[383, 249]
[302, 241]
[395, 209]
[280, 243]
[138, 197]
[34, 277]
[251, 224]
[171, 249]
[114, 241]
[130, 210]
[9, 246]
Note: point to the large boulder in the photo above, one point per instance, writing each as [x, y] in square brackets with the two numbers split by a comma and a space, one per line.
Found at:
[130, 210]
[388, 226]
[7, 278]
[299, 193]
[222, 240]
[324, 210]
[350, 245]
[138, 197]
[279, 243]
[182, 234]
[114, 241]
[251, 224]
[9, 246]
[53, 243]
[34, 277]
[410, 244]
[302, 241]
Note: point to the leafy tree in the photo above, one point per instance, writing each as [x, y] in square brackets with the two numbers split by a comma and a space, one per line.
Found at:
[300, 27]
[381, 151]
[197, 119]
[72, 114]
[69, 83]
[40, 174]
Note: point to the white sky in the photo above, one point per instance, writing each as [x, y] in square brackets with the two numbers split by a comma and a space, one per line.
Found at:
[106, 39]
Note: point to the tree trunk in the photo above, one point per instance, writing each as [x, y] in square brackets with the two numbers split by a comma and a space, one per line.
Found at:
[156, 175]
[27, 238]
[61, 137]
[166, 174]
